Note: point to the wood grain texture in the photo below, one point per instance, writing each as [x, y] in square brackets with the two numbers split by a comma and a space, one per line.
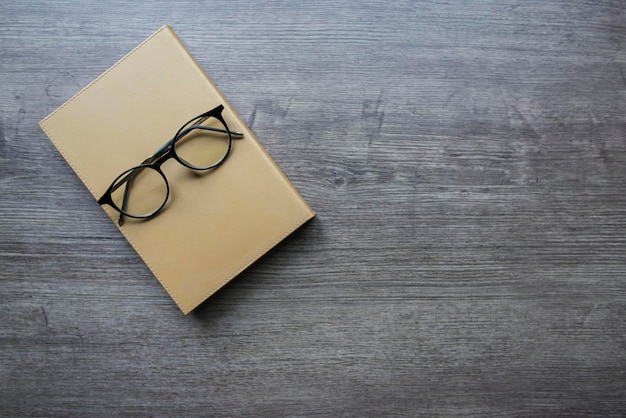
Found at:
[467, 162]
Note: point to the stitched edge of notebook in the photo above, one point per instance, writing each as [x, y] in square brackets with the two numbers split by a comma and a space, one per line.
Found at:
[253, 259]
[78, 173]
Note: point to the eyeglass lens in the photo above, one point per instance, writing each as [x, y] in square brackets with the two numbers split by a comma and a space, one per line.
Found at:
[140, 191]
[202, 148]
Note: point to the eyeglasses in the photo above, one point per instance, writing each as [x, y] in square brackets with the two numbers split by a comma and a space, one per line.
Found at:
[201, 144]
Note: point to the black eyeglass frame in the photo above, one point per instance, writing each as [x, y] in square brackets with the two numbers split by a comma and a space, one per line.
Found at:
[160, 156]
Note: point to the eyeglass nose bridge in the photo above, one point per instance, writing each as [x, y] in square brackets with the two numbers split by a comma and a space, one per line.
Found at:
[161, 155]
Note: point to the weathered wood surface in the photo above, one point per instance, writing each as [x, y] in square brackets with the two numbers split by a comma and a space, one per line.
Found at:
[467, 162]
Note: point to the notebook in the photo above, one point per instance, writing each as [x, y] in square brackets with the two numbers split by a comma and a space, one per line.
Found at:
[215, 224]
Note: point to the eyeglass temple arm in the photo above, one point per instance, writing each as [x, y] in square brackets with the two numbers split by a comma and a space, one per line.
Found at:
[128, 180]
[165, 147]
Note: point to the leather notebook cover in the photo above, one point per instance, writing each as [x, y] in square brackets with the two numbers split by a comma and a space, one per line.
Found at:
[215, 223]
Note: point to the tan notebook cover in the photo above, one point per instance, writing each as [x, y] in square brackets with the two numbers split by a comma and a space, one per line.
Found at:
[215, 224]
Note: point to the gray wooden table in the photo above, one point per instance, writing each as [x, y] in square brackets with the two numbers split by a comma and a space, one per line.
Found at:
[467, 162]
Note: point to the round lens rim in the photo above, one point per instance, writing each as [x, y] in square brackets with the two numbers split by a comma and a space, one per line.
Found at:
[148, 215]
[185, 131]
